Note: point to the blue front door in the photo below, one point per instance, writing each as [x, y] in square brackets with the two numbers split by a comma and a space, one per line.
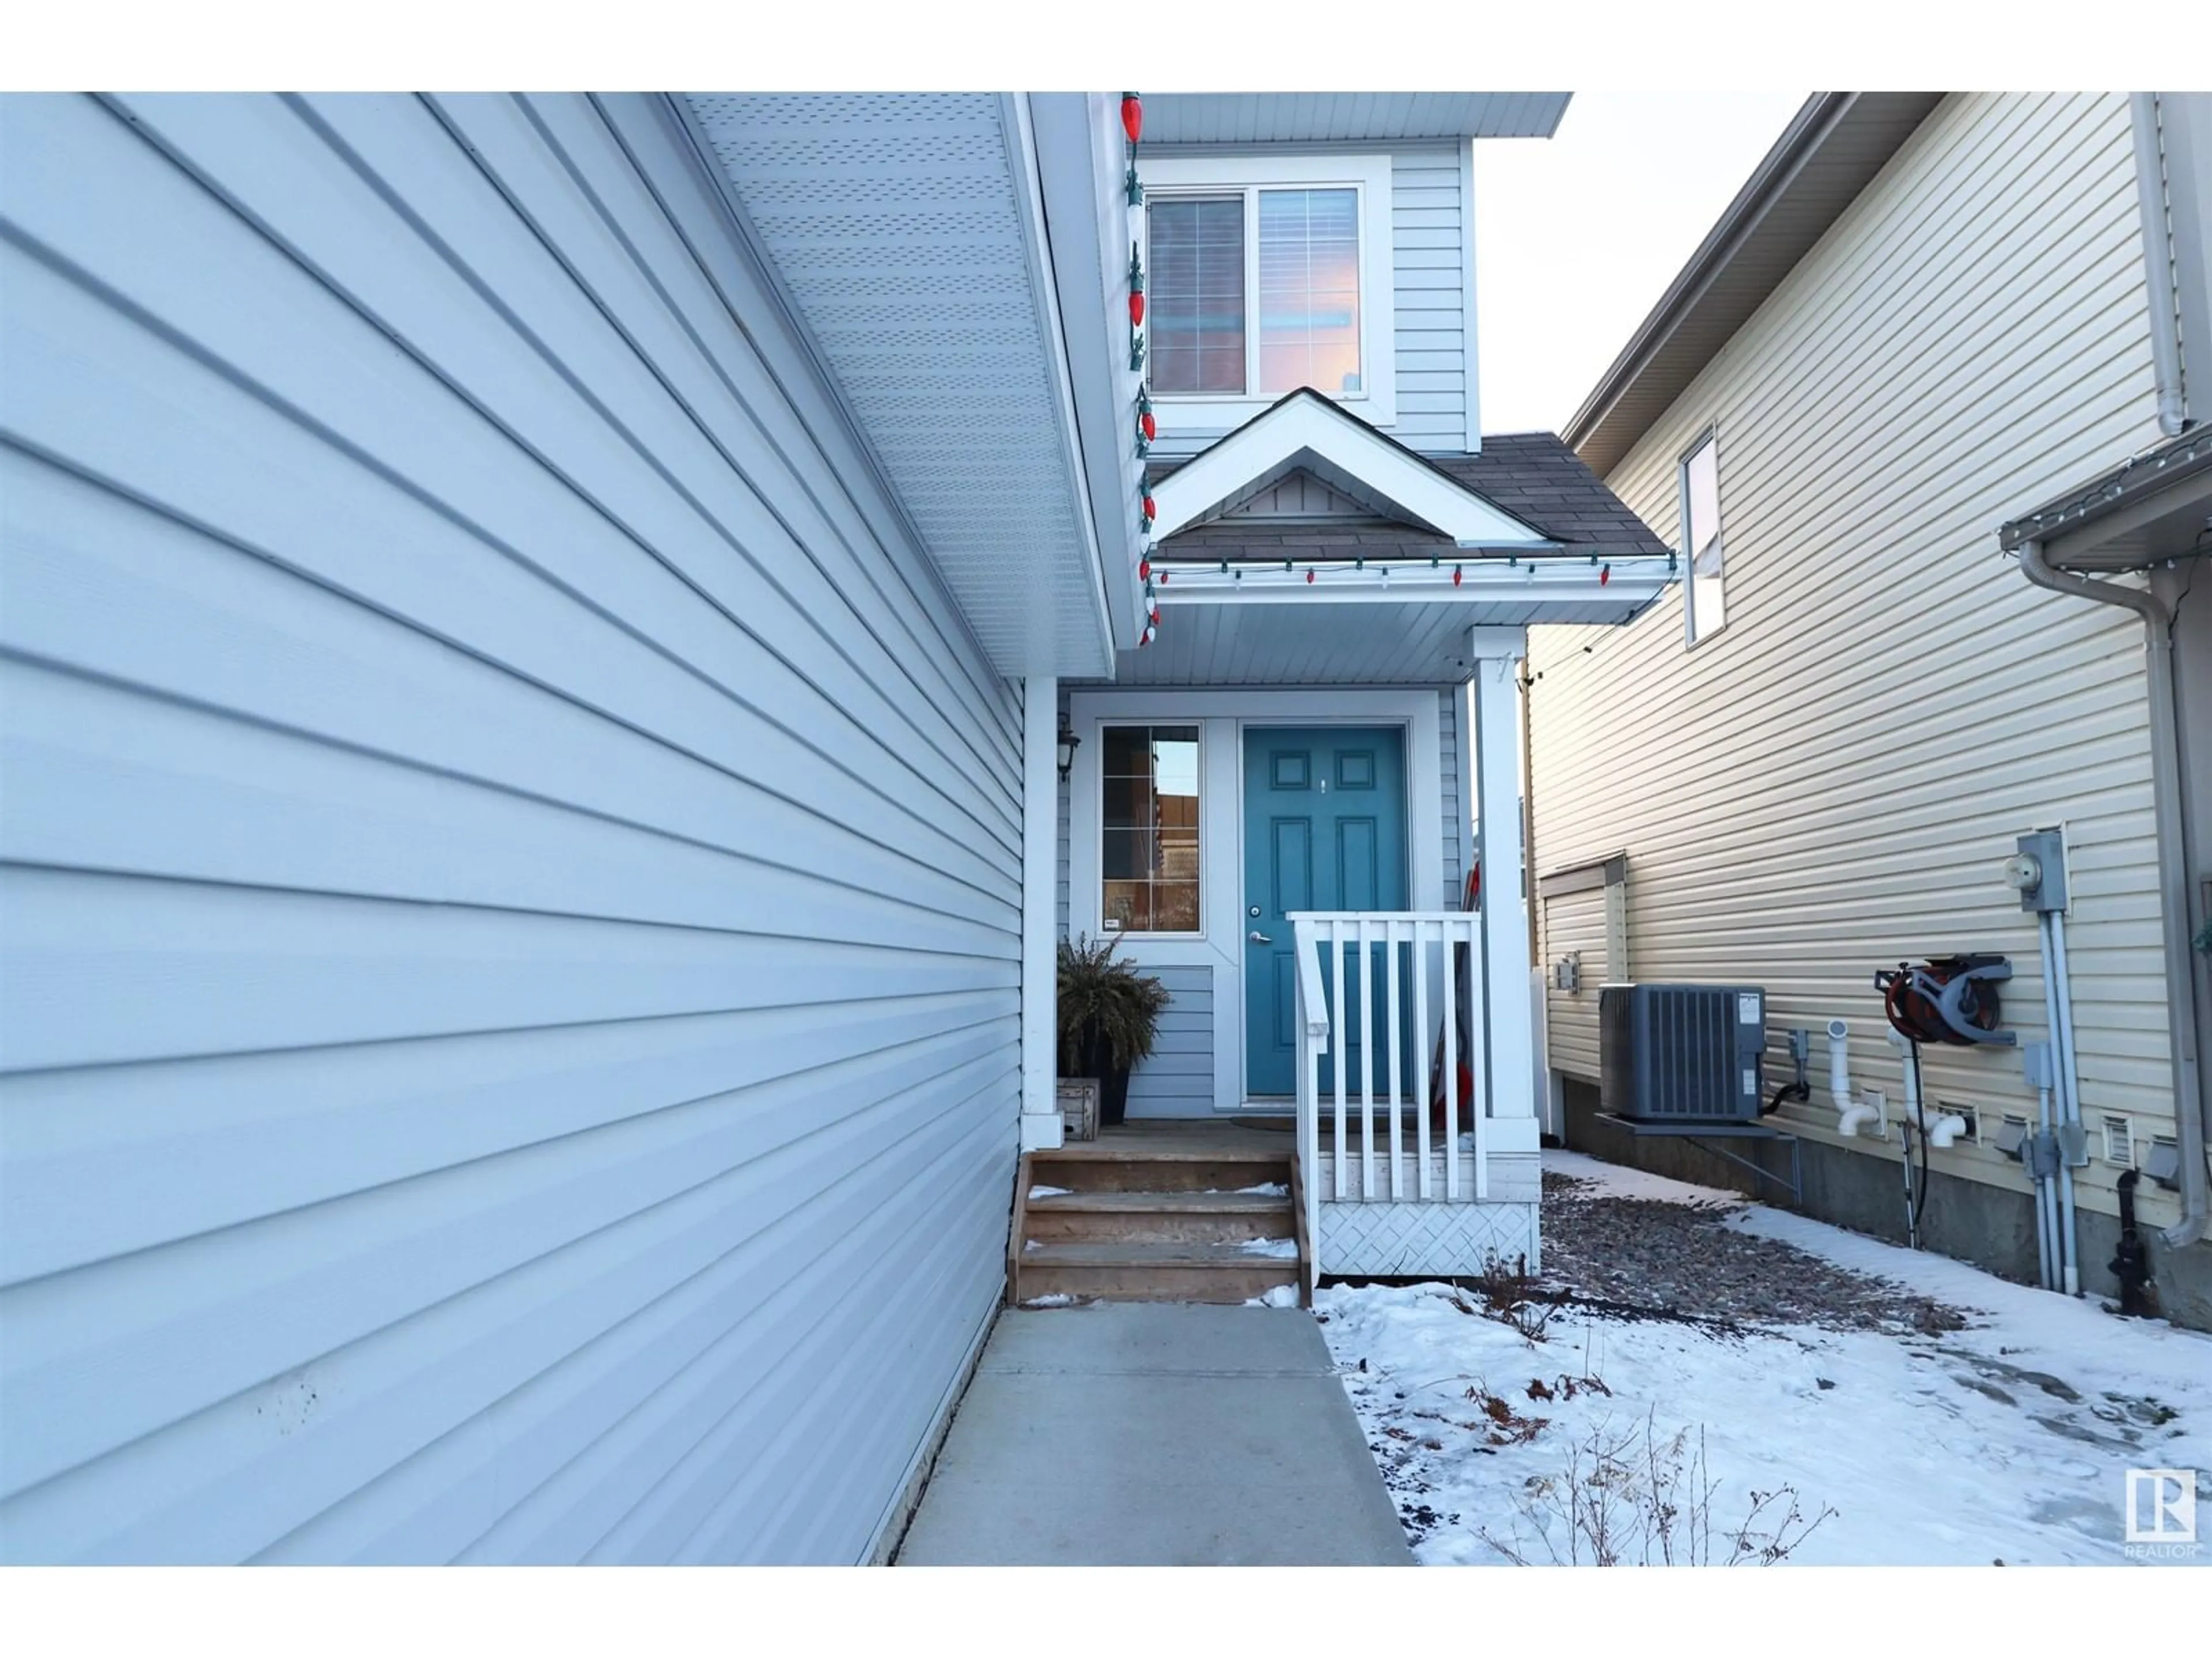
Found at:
[1324, 830]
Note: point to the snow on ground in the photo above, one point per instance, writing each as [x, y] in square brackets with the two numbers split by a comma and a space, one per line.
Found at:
[1623, 1181]
[2006, 1440]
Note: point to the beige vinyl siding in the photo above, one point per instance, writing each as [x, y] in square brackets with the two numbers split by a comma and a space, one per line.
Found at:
[1832, 783]
[1574, 924]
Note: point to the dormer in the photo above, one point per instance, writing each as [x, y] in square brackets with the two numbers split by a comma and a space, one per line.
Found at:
[1319, 240]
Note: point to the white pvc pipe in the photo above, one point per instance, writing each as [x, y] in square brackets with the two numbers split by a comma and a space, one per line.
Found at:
[1945, 1129]
[1850, 1116]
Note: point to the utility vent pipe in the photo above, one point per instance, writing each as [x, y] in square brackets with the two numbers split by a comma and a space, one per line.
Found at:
[2167, 366]
[1850, 1116]
[1945, 1127]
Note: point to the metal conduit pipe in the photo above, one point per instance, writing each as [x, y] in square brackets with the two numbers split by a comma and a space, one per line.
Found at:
[2050, 1112]
[2189, 1107]
[2158, 262]
[2070, 1099]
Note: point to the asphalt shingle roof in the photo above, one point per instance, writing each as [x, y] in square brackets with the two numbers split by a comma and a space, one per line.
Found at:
[1532, 475]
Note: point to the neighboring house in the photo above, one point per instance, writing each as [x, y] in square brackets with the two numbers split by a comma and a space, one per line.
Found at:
[535, 645]
[1923, 317]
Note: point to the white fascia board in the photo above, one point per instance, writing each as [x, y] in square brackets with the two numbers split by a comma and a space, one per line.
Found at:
[1632, 581]
[1077, 137]
[1026, 170]
[1308, 424]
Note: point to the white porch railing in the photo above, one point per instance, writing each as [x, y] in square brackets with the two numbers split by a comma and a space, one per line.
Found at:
[1401, 967]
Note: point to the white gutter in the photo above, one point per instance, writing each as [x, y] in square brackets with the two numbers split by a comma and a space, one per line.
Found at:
[2172, 876]
[1635, 580]
[2158, 265]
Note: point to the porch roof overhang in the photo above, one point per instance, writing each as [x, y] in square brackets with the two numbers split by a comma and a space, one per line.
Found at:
[2152, 508]
[1280, 118]
[1391, 624]
[974, 352]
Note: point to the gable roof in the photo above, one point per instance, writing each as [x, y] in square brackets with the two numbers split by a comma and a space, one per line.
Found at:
[1532, 476]
[1305, 432]
[1830, 152]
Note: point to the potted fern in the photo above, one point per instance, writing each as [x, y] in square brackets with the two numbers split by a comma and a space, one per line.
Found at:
[1110, 1018]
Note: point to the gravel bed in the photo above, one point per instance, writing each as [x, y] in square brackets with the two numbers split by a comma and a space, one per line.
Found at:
[1649, 1257]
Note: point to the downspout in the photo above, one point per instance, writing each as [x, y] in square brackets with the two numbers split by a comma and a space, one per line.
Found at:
[2172, 879]
[2158, 262]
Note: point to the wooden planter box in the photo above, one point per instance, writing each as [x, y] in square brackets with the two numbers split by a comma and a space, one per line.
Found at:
[1079, 1107]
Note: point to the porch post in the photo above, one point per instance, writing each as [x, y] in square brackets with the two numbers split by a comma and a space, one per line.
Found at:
[1497, 653]
[1041, 1125]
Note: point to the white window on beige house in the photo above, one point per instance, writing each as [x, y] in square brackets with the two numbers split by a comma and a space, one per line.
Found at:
[1702, 601]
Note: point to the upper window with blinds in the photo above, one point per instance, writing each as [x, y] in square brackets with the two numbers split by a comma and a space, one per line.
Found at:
[1256, 287]
[1257, 291]
[1195, 296]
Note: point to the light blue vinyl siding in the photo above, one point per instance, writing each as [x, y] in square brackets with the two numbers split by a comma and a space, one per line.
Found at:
[1428, 265]
[510, 866]
[1177, 1079]
[1457, 792]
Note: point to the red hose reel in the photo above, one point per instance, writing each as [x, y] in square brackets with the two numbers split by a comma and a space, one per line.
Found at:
[1946, 999]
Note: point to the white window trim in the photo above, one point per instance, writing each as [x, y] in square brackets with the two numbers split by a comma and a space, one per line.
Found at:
[1225, 715]
[1692, 639]
[1370, 174]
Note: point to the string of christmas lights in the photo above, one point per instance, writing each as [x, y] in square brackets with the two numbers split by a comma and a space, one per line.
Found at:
[1147, 426]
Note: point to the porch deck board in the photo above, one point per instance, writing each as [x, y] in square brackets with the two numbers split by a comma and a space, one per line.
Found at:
[1233, 1203]
[1198, 1139]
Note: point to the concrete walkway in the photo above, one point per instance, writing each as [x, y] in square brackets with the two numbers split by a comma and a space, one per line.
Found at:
[1155, 1434]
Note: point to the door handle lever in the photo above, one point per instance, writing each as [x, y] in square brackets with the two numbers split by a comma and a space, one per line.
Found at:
[1258, 938]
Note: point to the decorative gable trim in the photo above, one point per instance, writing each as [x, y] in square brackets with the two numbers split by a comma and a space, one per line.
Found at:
[1306, 432]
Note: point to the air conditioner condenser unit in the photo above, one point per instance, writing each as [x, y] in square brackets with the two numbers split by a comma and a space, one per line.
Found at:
[1681, 1053]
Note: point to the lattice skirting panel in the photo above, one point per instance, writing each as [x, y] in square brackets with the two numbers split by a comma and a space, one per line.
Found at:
[1449, 1240]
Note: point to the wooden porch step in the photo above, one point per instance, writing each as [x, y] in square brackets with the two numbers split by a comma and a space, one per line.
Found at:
[1169, 1218]
[1084, 1169]
[1150, 1273]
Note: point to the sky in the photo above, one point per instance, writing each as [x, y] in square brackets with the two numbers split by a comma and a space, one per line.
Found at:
[1577, 235]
